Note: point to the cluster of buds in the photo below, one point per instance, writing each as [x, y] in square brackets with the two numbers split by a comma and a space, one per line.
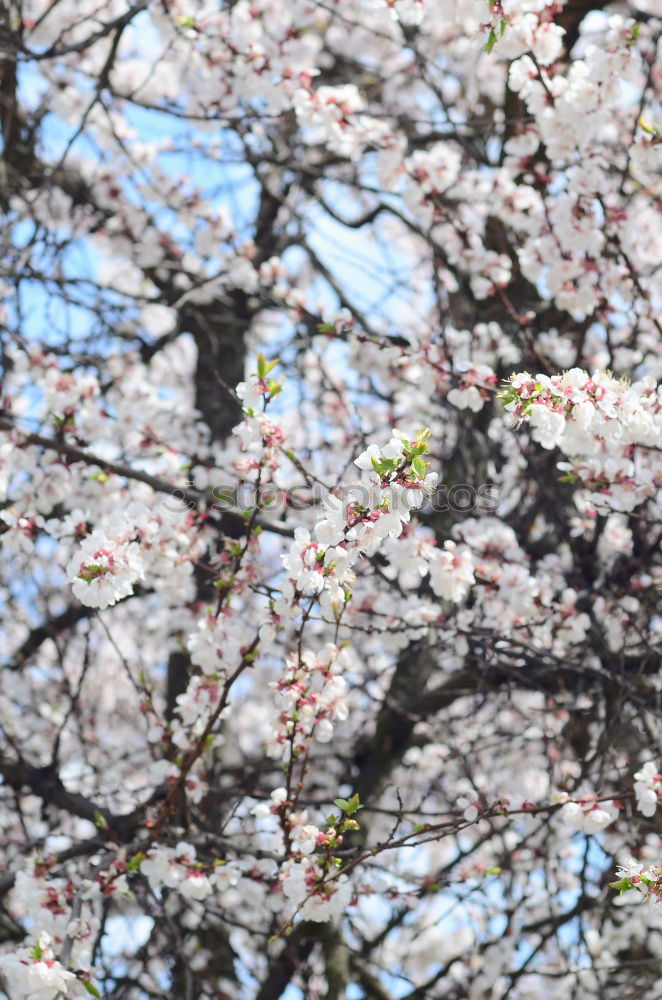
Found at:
[311, 694]
[315, 884]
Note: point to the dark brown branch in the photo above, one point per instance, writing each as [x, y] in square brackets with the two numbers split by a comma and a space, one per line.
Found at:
[230, 521]
[50, 629]
[47, 784]
[298, 947]
[395, 722]
[54, 52]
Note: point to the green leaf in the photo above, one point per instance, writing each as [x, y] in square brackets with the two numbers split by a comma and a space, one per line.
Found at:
[263, 369]
[100, 821]
[493, 871]
[60, 421]
[349, 806]
[622, 885]
[648, 129]
[491, 41]
[91, 989]
[419, 466]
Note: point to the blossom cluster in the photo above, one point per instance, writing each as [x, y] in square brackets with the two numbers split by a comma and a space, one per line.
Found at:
[34, 973]
[610, 429]
[176, 868]
[646, 880]
[648, 789]
[311, 695]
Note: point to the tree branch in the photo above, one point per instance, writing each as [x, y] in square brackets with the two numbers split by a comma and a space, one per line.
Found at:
[230, 521]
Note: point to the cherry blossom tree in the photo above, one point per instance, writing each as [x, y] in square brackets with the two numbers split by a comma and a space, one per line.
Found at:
[330, 441]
